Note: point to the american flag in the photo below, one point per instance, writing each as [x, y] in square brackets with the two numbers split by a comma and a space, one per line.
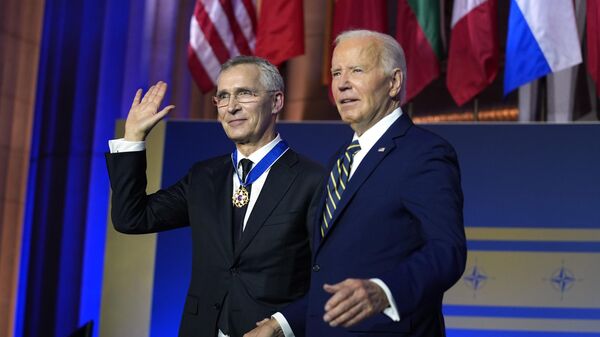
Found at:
[219, 30]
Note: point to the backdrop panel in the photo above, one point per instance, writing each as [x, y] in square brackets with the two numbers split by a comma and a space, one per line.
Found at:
[531, 196]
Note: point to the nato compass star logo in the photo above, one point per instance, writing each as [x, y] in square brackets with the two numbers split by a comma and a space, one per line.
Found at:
[475, 278]
[562, 280]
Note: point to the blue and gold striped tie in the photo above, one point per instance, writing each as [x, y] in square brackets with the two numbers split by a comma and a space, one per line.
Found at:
[338, 178]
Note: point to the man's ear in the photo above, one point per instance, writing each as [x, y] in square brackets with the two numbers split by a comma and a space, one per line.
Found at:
[277, 104]
[396, 82]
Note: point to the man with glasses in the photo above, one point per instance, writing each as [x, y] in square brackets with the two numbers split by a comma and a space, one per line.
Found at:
[249, 210]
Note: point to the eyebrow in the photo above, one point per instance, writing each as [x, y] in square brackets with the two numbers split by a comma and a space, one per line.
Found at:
[238, 89]
[349, 67]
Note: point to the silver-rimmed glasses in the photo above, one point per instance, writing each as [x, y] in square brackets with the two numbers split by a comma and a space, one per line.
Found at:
[241, 95]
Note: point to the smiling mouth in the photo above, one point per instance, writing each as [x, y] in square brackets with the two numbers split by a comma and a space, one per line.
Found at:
[236, 122]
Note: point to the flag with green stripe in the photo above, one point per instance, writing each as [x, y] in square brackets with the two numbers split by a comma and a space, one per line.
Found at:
[418, 32]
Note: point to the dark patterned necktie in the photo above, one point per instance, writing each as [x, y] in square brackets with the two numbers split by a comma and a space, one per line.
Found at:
[338, 178]
[240, 212]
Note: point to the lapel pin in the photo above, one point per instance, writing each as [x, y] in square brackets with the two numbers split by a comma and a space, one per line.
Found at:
[381, 149]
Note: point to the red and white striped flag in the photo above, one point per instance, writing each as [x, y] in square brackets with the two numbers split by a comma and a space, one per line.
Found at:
[219, 30]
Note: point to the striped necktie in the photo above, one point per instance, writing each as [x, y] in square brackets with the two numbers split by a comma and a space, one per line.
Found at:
[338, 178]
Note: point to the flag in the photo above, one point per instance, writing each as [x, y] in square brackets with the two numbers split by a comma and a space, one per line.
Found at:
[280, 32]
[593, 41]
[542, 38]
[359, 14]
[418, 32]
[350, 15]
[473, 53]
[219, 30]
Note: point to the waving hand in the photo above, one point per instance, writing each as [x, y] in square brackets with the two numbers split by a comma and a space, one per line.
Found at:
[144, 114]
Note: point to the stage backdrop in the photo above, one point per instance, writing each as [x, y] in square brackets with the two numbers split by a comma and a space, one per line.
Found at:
[533, 229]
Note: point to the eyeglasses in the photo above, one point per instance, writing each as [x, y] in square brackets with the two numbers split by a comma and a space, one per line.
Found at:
[241, 96]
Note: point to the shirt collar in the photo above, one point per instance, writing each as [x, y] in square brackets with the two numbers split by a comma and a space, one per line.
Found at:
[372, 135]
[259, 154]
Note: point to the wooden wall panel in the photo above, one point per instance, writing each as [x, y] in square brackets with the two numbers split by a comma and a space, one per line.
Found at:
[20, 36]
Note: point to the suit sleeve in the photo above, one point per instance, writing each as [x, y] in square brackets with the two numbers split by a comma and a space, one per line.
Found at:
[295, 315]
[433, 196]
[134, 211]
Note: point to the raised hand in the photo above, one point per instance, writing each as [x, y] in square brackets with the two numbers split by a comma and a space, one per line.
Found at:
[144, 114]
[352, 301]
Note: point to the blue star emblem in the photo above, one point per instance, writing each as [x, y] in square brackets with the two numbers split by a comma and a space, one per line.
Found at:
[563, 279]
[476, 278]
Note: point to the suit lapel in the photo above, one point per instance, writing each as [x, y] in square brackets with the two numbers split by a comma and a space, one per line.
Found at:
[377, 153]
[223, 186]
[279, 180]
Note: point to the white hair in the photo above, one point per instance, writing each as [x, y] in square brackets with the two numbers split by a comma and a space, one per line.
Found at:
[392, 54]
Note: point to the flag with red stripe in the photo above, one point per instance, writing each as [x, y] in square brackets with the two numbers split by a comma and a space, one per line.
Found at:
[473, 54]
[418, 31]
[219, 30]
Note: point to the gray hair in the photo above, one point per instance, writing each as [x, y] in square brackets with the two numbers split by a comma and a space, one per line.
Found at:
[270, 77]
[392, 54]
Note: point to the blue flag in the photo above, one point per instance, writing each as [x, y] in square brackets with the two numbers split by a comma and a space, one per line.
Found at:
[542, 38]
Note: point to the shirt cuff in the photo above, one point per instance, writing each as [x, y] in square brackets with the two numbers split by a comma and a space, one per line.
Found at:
[392, 310]
[283, 323]
[122, 145]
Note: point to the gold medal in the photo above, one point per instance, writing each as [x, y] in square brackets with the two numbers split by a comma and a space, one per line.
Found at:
[240, 197]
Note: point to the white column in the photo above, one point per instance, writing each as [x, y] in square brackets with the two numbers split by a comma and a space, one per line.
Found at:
[528, 101]
[561, 85]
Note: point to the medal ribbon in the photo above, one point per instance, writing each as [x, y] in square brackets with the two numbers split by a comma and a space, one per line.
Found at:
[257, 170]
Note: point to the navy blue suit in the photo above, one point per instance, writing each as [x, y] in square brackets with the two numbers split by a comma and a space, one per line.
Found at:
[400, 220]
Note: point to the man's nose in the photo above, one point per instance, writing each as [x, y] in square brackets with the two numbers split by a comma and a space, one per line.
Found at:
[342, 82]
[233, 106]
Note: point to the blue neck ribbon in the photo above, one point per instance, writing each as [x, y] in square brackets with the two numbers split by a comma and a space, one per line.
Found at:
[262, 166]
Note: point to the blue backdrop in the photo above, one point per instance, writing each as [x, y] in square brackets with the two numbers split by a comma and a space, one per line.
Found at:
[535, 179]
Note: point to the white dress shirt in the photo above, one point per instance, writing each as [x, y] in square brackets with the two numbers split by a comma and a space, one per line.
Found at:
[366, 141]
[257, 185]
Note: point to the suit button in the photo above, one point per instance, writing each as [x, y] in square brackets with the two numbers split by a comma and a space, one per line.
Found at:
[316, 268]
[216, 306]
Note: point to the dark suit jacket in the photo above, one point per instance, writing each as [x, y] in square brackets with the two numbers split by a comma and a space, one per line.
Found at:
[270, 266]
[399, 220]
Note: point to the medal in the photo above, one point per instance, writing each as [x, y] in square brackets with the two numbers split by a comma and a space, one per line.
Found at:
[240, 197]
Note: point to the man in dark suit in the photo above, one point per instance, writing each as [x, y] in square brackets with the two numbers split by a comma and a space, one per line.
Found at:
[389, 238]
[248, 210]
